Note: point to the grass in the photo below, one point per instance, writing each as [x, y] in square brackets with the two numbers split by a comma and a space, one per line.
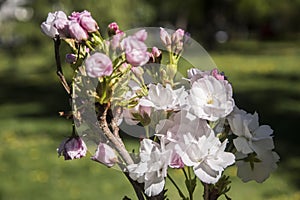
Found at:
[265, 78]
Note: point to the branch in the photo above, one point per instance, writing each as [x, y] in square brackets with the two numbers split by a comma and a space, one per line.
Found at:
[119, 145]
[59, 71]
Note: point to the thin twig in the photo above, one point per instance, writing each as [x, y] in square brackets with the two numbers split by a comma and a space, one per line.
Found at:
[59, 71]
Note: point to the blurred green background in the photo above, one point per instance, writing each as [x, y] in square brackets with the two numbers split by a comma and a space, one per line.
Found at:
[256, 42]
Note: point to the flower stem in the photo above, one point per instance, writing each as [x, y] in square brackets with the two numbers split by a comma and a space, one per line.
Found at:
[190, 180]
[185, 174]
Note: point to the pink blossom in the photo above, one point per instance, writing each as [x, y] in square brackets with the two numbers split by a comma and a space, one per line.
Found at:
[77, 32]
[137, 58]
[135, 50]
[85, 20]
[72, 148]
[98, 65]
[105, 155]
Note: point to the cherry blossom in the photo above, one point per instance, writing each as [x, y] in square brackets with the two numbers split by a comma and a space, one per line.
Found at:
[98, 65]
[163, 98]
[54, 21]
[251, 136]
[152, 167]
[210, 98]
[206, 155]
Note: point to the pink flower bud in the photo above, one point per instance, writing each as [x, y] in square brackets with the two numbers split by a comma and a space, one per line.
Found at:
[176, 161]
[77, 32]
[85, 20]
[115, 41]
[145, 110]
[141, 35]
[113, 29]
[113, 26]
[177, 36]
[156, 52]
[105, 155]
[215, 73]
[165, 38]
[72, 148]
[98, 65]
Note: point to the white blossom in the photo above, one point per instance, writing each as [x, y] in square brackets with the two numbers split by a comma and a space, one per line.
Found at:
[251, 136]
[206, 155]
[152, 168]
[163, 98]
[49, 27]
[210, 99]
[181, 123]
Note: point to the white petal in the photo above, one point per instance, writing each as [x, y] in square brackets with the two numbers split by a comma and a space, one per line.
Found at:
[242, 145]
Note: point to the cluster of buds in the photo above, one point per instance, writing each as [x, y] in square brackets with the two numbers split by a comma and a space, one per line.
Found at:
[76, 26]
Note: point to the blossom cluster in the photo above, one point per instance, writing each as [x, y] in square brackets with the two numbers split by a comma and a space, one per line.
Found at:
[195, 122]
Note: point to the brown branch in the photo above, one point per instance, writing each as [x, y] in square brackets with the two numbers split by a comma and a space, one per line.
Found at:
[119, 145]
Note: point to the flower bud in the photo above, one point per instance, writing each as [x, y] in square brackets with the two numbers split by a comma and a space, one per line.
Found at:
[85, 20]
[115, 41]
[176, 161]
[77, 32]
[177, 36]
[165, 38]
[72, 148]
[71, 58]
[105, 155]
[98, 65]
[215, 73]
[113, 29]
[141, 35]
[156, 52]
